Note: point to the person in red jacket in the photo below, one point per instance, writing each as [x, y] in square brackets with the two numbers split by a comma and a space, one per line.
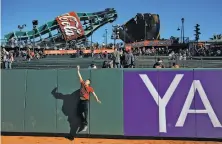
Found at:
[85, 90]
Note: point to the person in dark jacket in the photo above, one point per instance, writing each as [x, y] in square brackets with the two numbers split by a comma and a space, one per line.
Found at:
[159, 63]
[106, 64]
[116, 58]
[129, 59]
[122, 59]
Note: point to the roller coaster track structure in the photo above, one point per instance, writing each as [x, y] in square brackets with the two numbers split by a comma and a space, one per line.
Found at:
[65, 28]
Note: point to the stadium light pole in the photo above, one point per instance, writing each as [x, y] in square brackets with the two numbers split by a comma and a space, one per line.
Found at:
[91, 37]
[182, 20]
[34, 24]
[91, 28]
[114, 40]
[180, 29]
[21, 27]
[197, 32]
[114, 34]
[106, 36]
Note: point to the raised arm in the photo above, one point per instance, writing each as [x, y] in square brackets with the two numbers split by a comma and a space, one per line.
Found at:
[79, 75]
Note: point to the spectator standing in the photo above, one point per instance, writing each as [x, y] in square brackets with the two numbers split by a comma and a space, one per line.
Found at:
[129, 59]
[106, 56]
[28, 55]
[122, 58]
[92, 52]
[159, 63]
[11, 59]
[7, 59]
[116, 58]
[175, 65]
[92, 66]
[106, 65]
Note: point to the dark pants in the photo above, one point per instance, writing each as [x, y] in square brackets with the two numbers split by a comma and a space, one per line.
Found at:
[83, 111]
[127, 66]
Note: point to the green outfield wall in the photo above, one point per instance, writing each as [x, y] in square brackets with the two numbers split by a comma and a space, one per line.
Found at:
[45, 101]
[135, 102]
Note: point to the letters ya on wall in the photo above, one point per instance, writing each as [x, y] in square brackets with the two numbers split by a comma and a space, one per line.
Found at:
[162, 102]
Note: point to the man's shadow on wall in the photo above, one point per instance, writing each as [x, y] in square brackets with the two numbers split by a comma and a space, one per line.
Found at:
[70, 109]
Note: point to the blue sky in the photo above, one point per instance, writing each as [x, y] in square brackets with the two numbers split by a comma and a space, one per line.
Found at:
[207, 13]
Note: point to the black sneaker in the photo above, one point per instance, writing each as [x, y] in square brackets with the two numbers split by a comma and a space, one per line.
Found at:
[69, 137]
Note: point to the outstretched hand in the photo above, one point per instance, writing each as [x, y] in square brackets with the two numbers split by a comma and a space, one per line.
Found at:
[78, 67]
[99, 101]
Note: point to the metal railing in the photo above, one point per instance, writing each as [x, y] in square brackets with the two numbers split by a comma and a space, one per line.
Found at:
[194, 62]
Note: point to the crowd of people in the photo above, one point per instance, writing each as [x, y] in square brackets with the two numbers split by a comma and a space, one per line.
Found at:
[8, 57]
[119, 59]
[207, 51]
[126, 59]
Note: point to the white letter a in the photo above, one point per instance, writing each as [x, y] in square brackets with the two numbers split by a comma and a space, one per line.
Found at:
[196, 85]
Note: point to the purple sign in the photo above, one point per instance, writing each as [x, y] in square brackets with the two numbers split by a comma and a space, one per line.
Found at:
[173, 103]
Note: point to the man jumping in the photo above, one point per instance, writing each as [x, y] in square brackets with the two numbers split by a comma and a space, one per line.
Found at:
[85, 91]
